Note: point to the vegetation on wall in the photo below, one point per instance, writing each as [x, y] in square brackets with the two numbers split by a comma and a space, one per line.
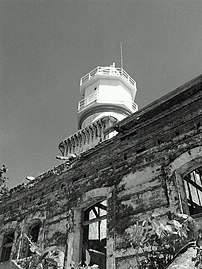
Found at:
[158, 241]
[3, 179]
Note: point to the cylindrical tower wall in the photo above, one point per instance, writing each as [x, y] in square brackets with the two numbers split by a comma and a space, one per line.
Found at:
[114, 92]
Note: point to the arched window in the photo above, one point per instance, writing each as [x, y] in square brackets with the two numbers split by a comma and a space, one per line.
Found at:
[33, 234]
[94, 226]
[193, 189]
[7, 246]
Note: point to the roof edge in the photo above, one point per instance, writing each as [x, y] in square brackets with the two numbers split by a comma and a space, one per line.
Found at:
[160, 101]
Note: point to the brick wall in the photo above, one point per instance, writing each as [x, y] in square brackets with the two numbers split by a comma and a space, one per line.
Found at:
[134, 167]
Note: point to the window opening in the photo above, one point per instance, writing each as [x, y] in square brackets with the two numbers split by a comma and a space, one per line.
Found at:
[7, 246]
[193, 189]
[33, 234]
[94, 234]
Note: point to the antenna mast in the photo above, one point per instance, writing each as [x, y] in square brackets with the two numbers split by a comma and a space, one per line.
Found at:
[121, 55]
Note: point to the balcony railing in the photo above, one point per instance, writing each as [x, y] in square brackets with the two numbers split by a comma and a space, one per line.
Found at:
[110, 71]
[94, 98]
[88, 100]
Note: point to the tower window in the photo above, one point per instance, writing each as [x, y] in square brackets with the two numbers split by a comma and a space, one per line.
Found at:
[7, 246]
[94, 234]
[193, 188]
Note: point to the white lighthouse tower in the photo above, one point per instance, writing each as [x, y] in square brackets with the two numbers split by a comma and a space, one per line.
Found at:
[107, 96]
[106, 91]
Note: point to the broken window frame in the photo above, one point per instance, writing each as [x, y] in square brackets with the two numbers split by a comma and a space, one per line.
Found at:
[88, 220]
[6, 248]
[193, 190]
[27, 251]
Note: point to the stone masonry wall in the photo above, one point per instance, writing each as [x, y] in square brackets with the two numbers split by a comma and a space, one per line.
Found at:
[135, 168]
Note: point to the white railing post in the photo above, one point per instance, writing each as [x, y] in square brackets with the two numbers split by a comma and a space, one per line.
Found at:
[107, 71]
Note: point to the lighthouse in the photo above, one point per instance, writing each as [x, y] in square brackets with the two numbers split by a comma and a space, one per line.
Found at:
[106, 91]
[107, 96]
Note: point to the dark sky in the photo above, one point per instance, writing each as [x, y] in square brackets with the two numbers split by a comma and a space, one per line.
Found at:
[47, 45]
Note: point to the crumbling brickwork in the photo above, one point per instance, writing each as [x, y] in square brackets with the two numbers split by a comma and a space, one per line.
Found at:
[140, 172]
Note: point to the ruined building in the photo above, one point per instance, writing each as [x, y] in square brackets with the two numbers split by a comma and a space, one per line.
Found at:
[122, 166]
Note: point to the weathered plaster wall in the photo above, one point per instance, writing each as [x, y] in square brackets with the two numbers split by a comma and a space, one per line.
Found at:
[136, 167]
